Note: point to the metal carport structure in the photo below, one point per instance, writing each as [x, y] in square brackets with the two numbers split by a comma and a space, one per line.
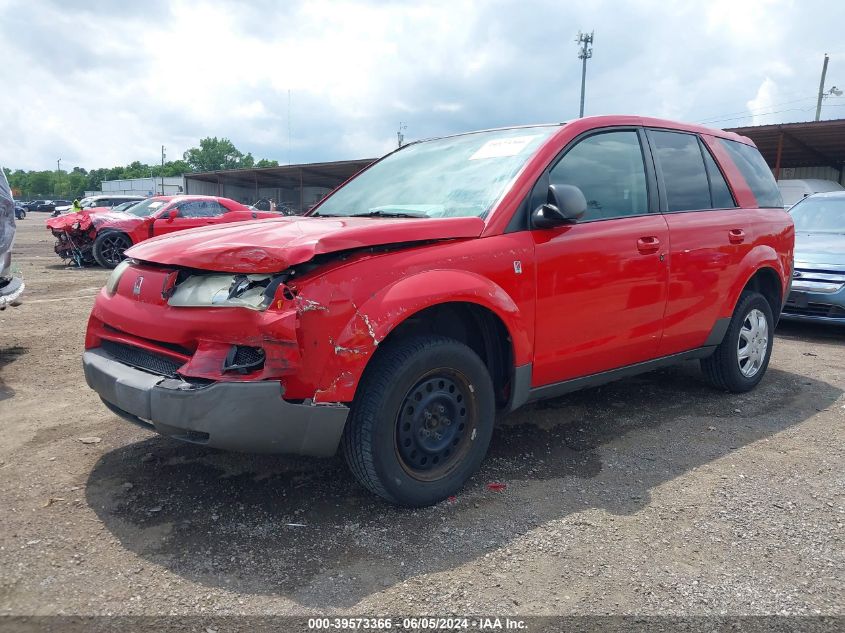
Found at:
[296, 186]
[814, 149]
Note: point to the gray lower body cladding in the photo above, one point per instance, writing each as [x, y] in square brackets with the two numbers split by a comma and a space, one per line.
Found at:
[250, 417]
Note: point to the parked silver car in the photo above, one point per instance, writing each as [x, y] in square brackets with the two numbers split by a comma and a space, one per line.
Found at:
[11, 287]
[818, 279]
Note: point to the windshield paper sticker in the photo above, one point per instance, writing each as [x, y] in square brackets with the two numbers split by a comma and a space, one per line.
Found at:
[500, 147]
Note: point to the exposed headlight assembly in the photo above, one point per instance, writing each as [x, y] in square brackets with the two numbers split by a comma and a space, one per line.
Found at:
[224, 291]
[116, 274]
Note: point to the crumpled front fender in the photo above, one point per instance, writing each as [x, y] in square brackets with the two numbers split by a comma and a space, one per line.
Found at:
[372, 321]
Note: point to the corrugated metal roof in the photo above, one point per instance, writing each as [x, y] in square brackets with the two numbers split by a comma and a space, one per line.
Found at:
[814, 143]
[329, 174]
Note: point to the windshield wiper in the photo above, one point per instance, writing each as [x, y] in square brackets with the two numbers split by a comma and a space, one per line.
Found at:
[388, 214]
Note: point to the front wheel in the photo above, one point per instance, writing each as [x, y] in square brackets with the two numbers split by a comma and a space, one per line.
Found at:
[421, 422]
[109, 247]
[741, 360]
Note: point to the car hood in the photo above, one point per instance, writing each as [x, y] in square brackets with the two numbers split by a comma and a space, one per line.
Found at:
[268, 246]
[820, 248]
[83, 220]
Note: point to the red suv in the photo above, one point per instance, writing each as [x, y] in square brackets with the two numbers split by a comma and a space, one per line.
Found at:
[453, 280]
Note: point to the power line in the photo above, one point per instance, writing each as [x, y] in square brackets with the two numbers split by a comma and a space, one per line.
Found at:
[718, 117]
[753, 114]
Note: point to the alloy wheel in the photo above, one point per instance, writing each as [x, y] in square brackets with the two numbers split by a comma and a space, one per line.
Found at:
[113, 248]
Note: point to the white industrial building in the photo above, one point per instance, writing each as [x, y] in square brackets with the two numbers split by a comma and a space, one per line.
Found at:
[170, 185]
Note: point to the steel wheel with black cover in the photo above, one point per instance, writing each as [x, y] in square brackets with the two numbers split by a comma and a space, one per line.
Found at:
[422, 420]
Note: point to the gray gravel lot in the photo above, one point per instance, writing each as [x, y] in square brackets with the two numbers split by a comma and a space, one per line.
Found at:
[654, 495]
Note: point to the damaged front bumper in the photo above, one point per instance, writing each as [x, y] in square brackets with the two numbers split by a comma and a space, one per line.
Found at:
[250, 417]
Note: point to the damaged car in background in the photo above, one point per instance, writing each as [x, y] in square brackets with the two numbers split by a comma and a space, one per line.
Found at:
[453, 280]
[101, 237]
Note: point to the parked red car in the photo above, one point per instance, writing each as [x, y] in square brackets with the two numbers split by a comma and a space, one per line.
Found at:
[102, 236]
[450, 281]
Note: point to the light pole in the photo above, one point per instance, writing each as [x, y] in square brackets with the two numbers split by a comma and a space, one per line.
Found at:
[585, 40]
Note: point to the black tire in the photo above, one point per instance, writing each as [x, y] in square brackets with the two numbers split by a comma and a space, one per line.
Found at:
[725, 369]
[389, 439]
[108, 248]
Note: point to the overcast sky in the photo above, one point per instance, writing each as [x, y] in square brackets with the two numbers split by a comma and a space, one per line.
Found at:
[102, 83]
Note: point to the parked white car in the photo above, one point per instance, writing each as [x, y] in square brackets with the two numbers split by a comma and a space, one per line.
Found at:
[795, 190]
[105, 200]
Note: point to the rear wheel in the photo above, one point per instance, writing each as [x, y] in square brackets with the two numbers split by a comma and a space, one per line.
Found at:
[741, 360]
[421, 422]
[109, 247]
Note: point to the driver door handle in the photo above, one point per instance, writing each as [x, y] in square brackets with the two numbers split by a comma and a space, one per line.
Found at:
[736, 236]
[648, 244]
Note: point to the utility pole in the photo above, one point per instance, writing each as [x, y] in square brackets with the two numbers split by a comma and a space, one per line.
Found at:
[821, 87]
[585, 41]
[58, 176]
[399, 136]
[162, 169]
[289, 127]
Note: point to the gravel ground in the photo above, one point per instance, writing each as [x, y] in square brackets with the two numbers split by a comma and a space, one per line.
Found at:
[654, 495]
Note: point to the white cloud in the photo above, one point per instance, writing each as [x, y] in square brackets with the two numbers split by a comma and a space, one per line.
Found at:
[762, 106]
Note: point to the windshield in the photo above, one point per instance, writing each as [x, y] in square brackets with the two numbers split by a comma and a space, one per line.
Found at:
[819, 215]
[124, 206]
[147, 207]
[449, 177]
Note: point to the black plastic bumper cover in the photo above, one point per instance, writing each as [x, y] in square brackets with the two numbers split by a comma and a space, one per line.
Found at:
[250, 417]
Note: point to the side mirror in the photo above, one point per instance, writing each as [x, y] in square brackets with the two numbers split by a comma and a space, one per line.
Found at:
[565, 204]
[172, 215]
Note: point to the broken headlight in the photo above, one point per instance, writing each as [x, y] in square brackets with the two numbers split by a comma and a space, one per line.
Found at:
[116, 274]
[224, 291]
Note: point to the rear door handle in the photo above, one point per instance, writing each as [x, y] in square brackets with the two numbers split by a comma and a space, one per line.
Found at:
[736, 236]
[649, 244]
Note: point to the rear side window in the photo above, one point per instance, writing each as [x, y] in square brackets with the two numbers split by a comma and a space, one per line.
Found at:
[684, 175]
[756, 173]
[719, 191]
[200, 209]
[609, 169]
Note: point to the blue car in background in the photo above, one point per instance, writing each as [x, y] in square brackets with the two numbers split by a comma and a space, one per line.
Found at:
[818, 279]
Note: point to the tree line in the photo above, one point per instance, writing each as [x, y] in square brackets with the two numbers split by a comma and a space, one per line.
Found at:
[212, 154]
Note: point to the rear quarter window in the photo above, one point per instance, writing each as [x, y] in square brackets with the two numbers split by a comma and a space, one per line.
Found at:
[755, 171]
